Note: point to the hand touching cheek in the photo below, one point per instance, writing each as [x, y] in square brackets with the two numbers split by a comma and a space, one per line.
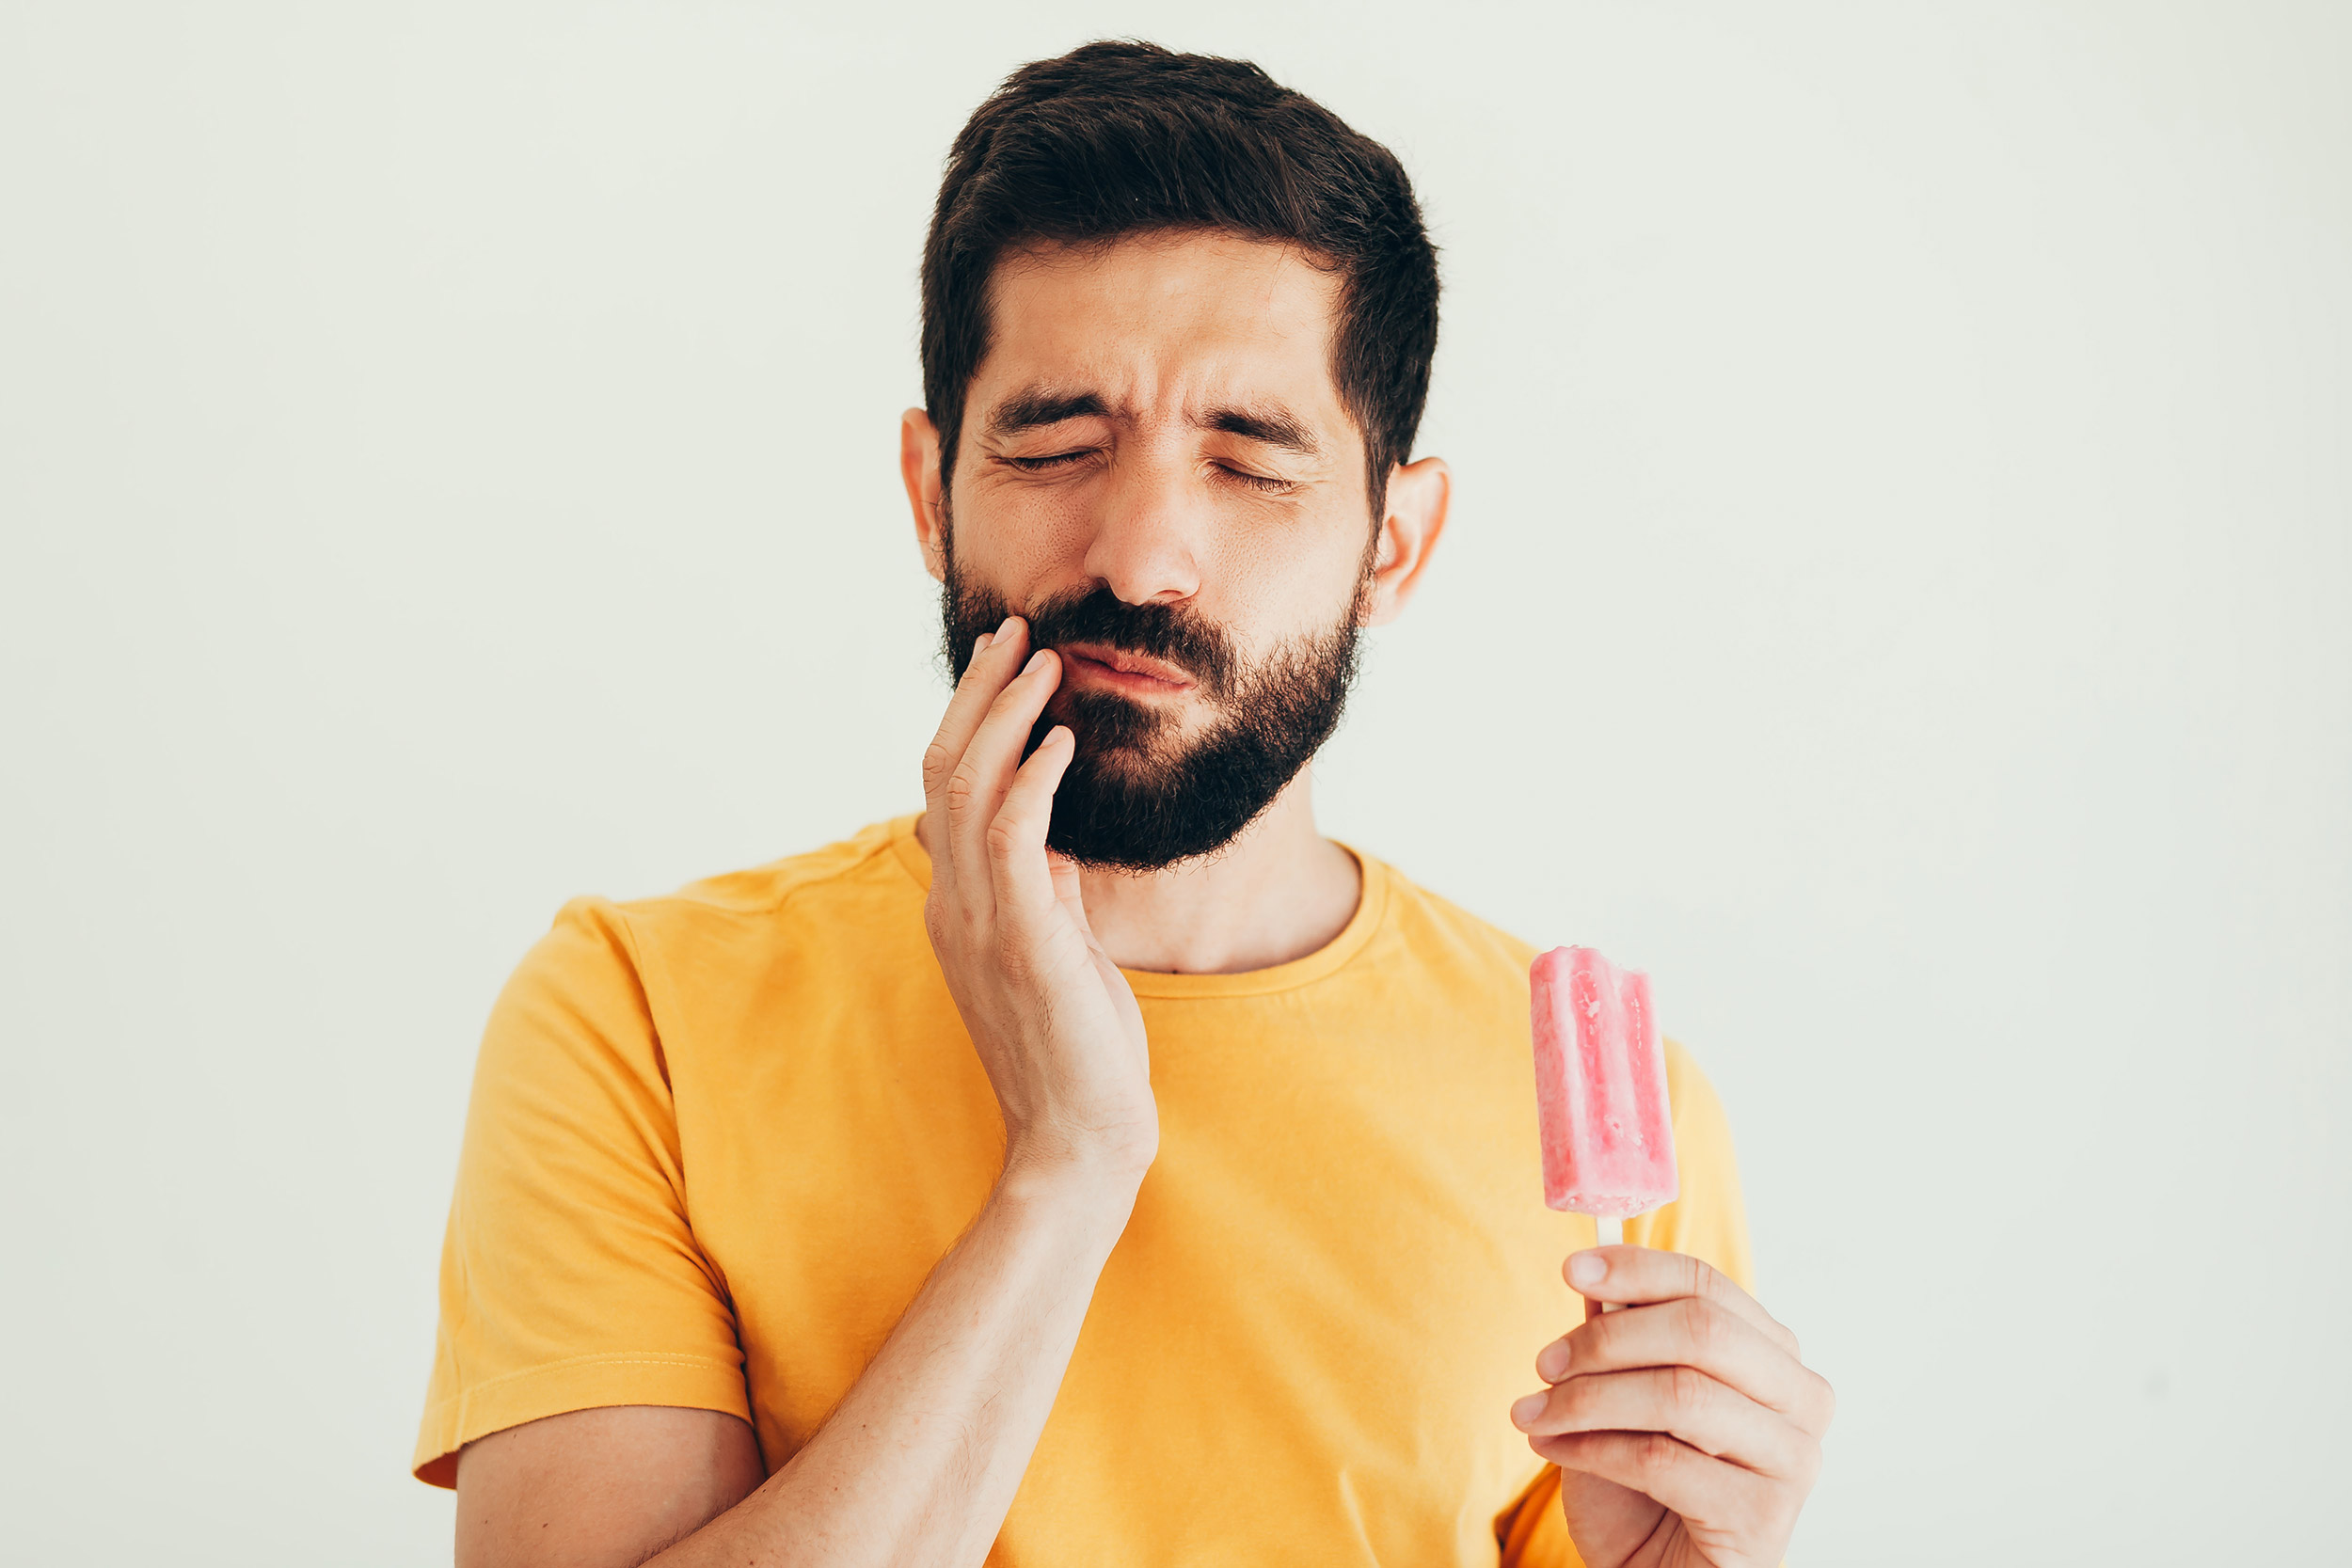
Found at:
[1053, 1019]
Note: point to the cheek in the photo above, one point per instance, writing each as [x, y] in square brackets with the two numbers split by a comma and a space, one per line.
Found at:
[1277, 585]
[1016, 546]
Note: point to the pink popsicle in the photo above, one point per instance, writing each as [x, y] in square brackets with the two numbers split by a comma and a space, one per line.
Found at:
[1601, 1087]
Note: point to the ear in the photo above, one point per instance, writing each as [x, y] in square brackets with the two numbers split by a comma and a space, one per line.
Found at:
[918, 464]
[1419, 494]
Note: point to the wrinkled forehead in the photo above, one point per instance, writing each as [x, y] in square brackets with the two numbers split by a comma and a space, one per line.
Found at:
[1164, 327]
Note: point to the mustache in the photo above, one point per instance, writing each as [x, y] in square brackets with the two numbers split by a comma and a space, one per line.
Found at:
[1175, 633]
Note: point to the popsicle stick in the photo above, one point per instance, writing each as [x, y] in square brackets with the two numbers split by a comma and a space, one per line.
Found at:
[1611, 1232]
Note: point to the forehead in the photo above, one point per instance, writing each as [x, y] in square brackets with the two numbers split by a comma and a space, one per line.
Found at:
[1155, 325]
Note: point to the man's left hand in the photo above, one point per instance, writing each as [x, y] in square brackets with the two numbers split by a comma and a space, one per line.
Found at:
[1685, 1427]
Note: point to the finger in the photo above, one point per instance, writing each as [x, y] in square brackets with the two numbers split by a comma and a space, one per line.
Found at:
[995, 660]
[1683, 1402]
[975, 789]
[984, 677]
[1674, 1473]
[931, 827]
[1071, 891]
[1696, 1333]
[1640, 1274]
[1016, 836]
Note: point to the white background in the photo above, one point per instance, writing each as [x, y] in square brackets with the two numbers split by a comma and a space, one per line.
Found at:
[1899, 594]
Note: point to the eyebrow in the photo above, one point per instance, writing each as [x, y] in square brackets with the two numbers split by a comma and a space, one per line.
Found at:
[1273, 426]
[1037, 407]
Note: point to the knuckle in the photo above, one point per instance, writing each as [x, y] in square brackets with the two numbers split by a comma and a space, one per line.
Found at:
[1824, 1401]
[1689, 1387]
[1654, 1453]
[1702, 1323]
[937, 760]
[962, 787]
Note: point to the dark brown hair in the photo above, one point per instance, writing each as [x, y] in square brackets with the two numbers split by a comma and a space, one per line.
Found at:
[1118, 138]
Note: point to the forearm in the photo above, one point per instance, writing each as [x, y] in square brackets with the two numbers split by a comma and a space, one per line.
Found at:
[920, 1462]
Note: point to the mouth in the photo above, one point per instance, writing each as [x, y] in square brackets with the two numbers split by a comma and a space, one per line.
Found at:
[1115, 669]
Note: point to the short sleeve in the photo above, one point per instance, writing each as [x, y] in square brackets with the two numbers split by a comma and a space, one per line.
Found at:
[1709, 1221]
[570, 1276]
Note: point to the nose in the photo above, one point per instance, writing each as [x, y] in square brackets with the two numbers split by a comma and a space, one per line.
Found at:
[1147, 537]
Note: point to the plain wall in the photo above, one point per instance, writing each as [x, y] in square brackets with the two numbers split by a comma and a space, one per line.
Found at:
[1898, 595]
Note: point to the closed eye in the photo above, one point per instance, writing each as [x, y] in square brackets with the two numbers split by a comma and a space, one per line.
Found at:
[1258, 481]
[1057, 460]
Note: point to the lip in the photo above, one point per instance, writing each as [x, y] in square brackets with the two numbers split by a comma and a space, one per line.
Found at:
[1120, 671]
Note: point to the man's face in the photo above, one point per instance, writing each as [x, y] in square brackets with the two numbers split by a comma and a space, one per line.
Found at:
[1157, 472]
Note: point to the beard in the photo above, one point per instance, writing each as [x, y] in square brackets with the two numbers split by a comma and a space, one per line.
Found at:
[1136, 796]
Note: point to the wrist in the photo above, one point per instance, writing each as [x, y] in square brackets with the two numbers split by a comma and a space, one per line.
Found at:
[1075, 1181]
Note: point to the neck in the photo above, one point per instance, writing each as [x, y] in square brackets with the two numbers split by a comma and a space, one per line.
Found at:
[1278, 892]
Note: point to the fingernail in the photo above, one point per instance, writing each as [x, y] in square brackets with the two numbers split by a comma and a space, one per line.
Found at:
[1527, 1410]
[981, 646]
[1552, 1364]
[1035, 660]
[1006, 627]
[1587, 1269]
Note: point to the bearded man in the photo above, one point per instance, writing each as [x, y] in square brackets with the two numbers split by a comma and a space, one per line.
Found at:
[1101, 1167]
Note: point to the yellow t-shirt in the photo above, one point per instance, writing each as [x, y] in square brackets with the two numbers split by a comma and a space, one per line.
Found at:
[718, 1140]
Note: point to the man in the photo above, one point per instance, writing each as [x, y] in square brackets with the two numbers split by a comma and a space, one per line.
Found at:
[1101, 1167]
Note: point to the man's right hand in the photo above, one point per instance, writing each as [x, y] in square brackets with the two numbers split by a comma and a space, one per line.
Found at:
[920, 1460]
[1054, 1021]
